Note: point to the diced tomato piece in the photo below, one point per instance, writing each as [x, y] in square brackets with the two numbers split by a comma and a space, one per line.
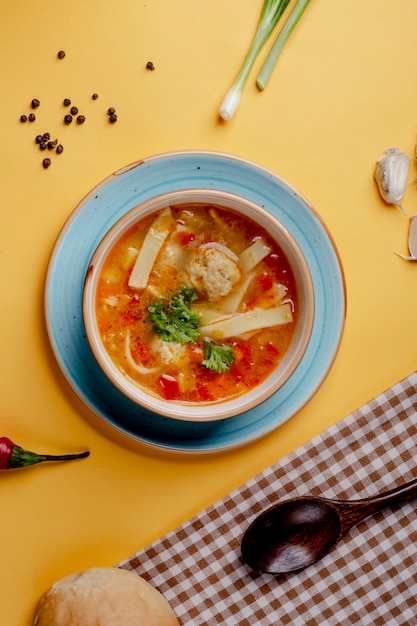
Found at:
[186, 238]
[169, 387]
[202, 391]
[131, 313]
[128, 317]
[236, 373]
[247, 360]
[204, 381]
[271, 350]
[265, 281]
[218, 387]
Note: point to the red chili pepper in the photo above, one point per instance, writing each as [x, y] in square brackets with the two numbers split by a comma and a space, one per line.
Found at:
[12, 456]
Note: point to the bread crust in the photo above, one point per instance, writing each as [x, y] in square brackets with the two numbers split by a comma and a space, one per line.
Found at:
[103, 596]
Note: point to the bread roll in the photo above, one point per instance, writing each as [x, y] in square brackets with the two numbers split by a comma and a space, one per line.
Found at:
[103, 596]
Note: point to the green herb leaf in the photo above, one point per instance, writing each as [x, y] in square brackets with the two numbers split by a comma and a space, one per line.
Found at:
[174, 320]
[218, 358]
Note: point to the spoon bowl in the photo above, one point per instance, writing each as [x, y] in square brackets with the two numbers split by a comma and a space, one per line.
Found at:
[307, 529]
[294, 534]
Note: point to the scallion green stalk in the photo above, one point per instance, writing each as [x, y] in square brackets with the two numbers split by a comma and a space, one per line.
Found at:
[280, 41]
[271, 12]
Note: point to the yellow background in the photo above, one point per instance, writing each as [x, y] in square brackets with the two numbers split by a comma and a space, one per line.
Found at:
[345, 88]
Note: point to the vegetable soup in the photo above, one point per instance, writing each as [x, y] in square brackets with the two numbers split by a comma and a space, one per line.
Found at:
[196, 303]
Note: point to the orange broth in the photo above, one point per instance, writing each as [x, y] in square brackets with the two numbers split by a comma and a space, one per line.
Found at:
[122, 311]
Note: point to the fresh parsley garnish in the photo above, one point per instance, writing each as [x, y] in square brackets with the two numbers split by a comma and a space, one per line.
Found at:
[174, 320]
[218, 358]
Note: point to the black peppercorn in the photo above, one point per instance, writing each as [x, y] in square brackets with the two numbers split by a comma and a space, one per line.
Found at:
[150, 66]
[61, 54]
[44, 140]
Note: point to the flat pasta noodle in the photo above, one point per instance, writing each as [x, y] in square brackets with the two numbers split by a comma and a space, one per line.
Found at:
[241, 323]
[250, 257]
[154, 240]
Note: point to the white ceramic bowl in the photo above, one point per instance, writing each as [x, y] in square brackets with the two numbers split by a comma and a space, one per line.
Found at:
[212, 411]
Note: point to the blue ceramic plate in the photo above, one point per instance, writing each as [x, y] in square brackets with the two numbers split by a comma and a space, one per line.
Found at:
[109, 201]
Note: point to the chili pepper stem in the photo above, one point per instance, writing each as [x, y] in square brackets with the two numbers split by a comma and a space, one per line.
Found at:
[23, 458]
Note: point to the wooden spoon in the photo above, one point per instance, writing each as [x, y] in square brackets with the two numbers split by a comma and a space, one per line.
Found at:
[296, 533]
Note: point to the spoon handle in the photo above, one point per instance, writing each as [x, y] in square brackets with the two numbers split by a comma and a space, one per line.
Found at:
[356, 510]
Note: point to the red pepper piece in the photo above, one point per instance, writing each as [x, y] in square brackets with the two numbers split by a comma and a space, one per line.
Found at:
[169, 387]
[12, 456]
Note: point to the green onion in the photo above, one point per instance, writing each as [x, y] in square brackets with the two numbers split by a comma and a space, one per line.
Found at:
[281, 39]
[271, 12]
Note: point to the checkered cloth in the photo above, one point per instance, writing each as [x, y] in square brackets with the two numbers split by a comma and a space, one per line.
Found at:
[369, 578]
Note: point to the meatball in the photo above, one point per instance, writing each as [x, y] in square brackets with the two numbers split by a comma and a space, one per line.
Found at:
[168, 352]
[214, 271]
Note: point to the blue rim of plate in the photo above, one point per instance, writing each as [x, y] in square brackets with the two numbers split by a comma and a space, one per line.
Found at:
[109, 201]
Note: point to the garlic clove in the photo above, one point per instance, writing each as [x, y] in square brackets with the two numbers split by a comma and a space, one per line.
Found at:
[391, 175]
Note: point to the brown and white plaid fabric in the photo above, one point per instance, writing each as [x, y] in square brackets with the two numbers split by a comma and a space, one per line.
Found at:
[370, 577]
